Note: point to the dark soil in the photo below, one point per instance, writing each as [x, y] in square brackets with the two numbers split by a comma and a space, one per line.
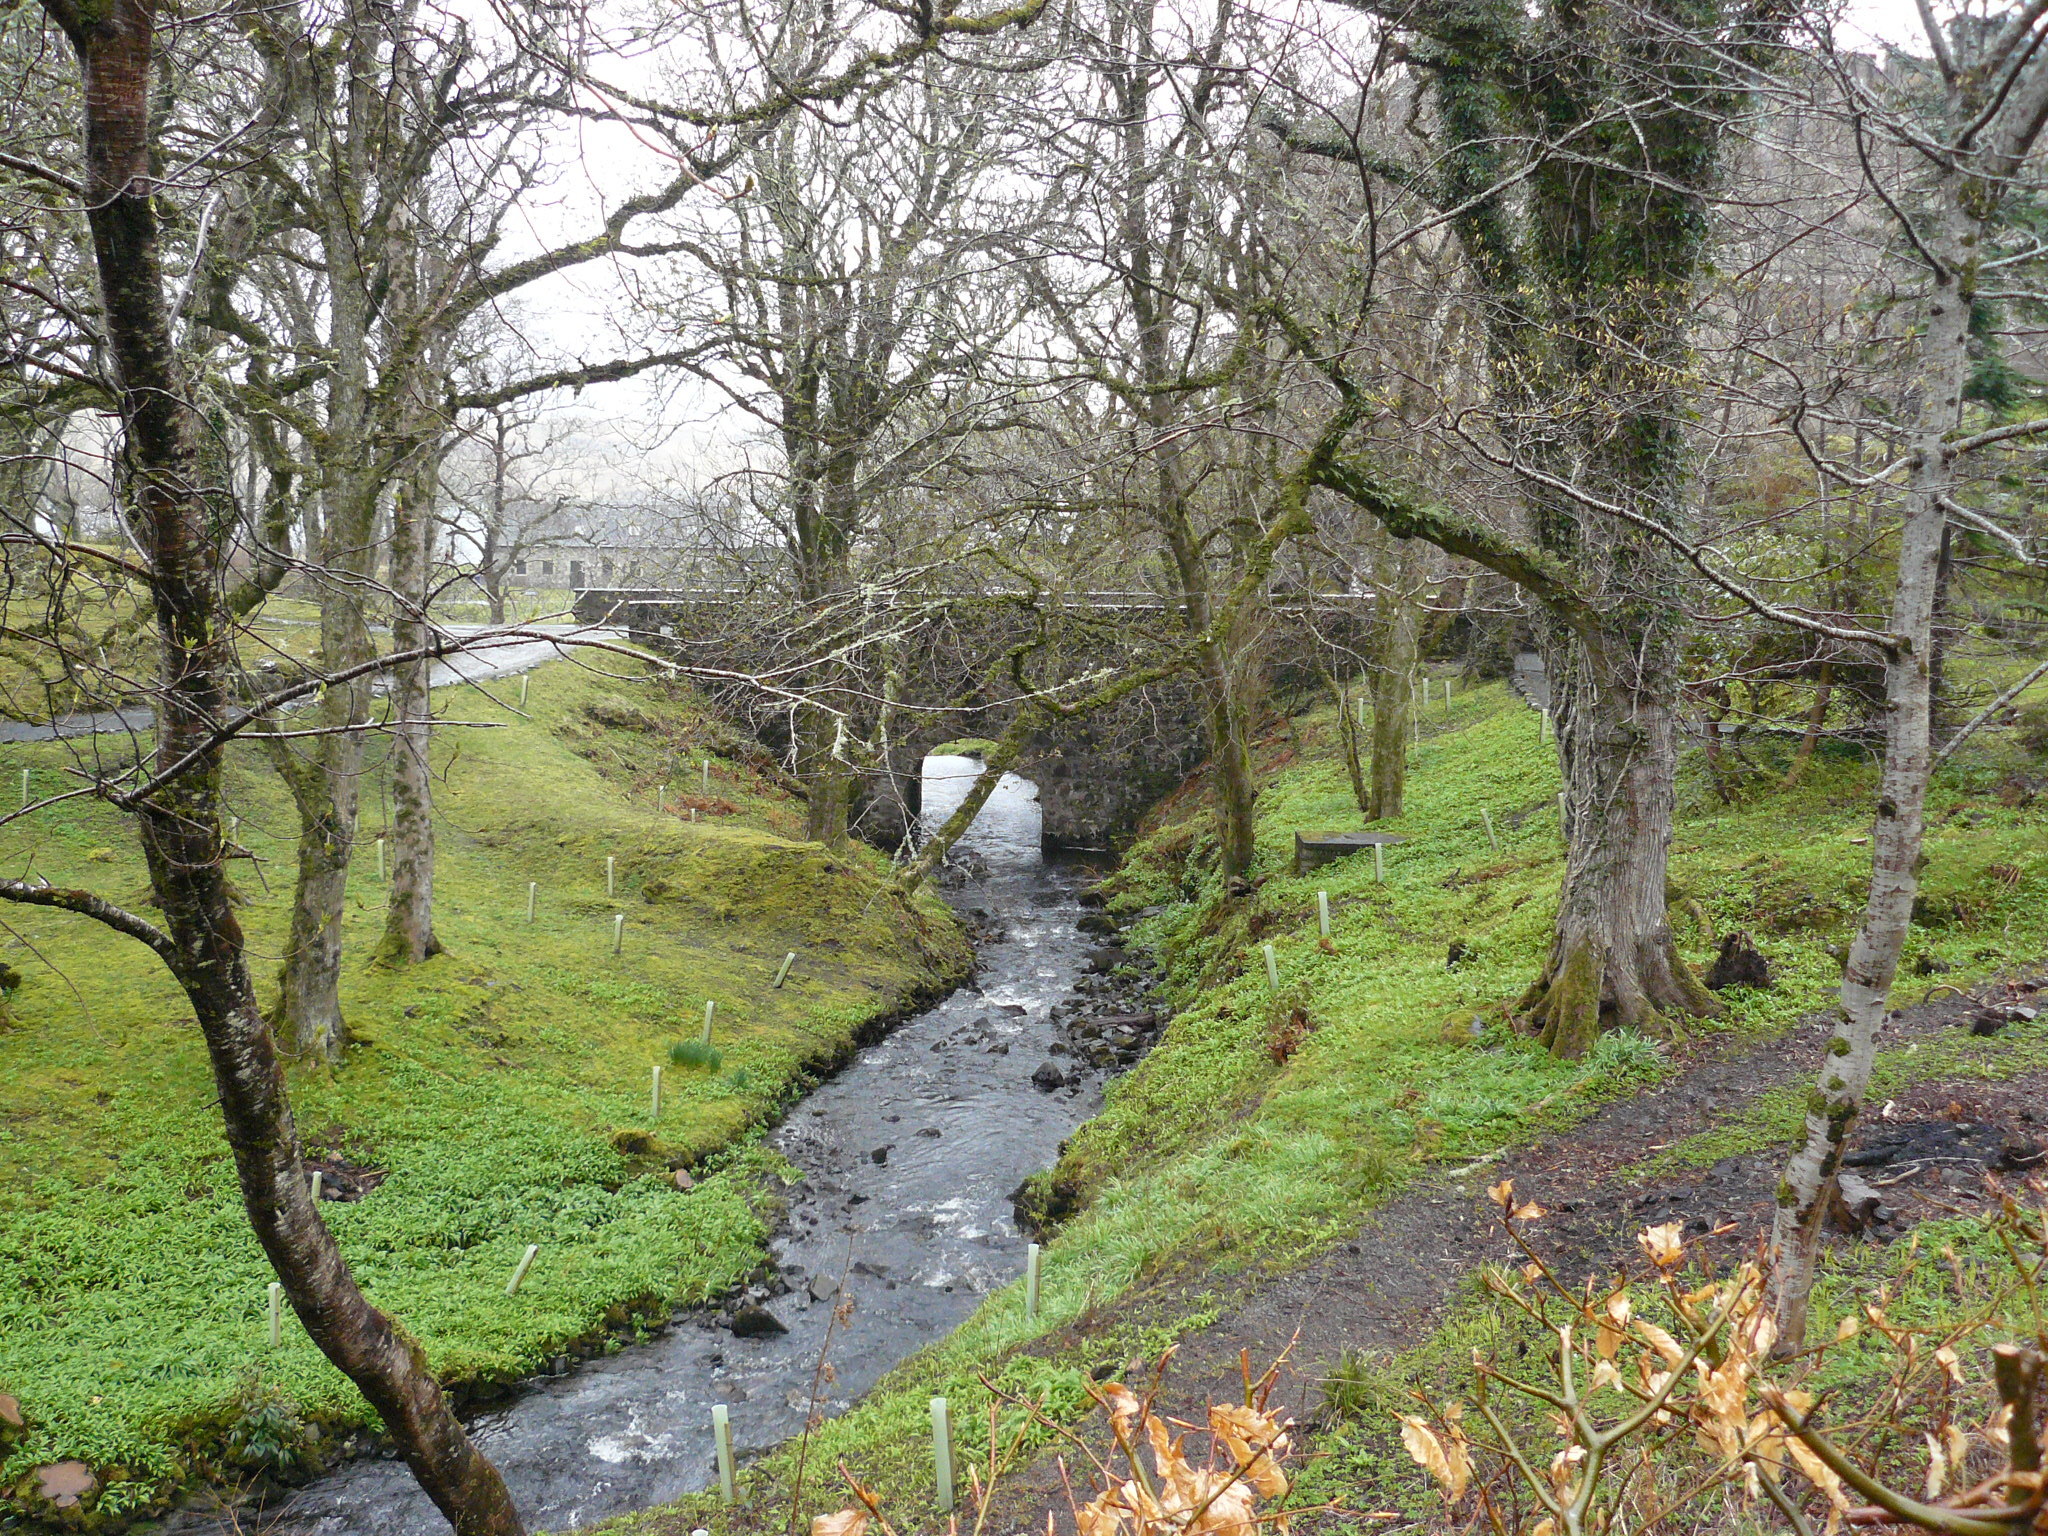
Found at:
[1939, 1150]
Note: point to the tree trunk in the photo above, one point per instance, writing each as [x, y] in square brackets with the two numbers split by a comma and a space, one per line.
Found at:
[1816, 720]
[181, 823]
[827, 781]
[409, 916]
[1809, 1180]
[1350, 727]
[1237, 790]
[1613, 960]
[326, 788]
[1393, 704]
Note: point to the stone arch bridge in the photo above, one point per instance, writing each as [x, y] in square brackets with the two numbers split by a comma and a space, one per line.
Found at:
[1097, 774]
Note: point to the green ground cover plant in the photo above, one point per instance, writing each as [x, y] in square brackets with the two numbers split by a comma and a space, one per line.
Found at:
[1267, 1124]
[496, 1096]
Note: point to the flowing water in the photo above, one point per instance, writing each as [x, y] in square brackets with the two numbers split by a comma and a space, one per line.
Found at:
[909, 1156]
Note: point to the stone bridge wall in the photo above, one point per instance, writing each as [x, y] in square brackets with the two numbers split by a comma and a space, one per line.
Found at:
[1097, 774]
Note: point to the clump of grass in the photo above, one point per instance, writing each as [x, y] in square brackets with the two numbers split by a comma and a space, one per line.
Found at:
[1348, 1388]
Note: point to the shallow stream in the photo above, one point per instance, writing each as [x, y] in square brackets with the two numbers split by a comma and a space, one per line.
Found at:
[910, 1155]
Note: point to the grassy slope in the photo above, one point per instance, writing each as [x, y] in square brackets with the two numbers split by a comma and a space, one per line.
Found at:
[504, 1084]
[1211, 1159]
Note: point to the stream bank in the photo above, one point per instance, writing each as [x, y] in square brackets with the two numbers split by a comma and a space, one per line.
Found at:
[1288, 1114]
[495, 1096]
[898, 1225]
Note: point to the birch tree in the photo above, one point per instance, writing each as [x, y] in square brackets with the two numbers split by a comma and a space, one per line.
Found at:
[1962, 146]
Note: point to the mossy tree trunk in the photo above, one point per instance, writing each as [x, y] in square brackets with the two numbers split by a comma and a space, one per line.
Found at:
[324, 774]
[827, 513]
[1395, 634]
[1586, 338]
[1613, 959]
[180, 809]
[409, 910]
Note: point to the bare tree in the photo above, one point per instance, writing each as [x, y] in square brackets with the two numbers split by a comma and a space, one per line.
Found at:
[175, 792]
[1182, 428]
[1574, 152]
[500, 504]
[1965, 142]
[855, 291]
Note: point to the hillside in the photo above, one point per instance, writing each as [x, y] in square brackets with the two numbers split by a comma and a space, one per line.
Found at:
[1284, 1159]
[496, 1096]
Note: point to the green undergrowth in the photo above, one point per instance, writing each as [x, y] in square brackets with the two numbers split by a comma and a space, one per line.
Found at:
[1266, 1125]
[500, 1092]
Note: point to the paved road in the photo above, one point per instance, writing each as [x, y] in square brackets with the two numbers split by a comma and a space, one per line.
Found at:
[501, 660]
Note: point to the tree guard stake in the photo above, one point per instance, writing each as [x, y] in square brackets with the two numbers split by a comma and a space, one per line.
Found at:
[1323, 912]
[519, 1275]
[942, 1453]
[782, 974]
[710, 1008]
[276, 1314]
[1272, 969]
[531, 887]
[1379, 862]
[380, 858]
[654, 1108]
[618, 933]
[721, 1432]
[1031, 1283]
[522, 690]
[610, 873]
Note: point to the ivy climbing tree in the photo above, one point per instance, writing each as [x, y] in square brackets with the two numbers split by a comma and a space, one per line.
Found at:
[1573, 151]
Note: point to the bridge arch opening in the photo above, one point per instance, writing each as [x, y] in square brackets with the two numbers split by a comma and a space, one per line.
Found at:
[1009, 830]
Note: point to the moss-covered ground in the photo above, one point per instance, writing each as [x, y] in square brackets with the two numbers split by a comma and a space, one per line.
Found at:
[1267, 1125]
[501, 1089]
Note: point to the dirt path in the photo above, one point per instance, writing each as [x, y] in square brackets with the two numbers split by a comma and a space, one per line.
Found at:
[1384, 1291]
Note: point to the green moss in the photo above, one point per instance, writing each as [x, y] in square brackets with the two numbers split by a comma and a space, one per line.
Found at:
[502, 1087]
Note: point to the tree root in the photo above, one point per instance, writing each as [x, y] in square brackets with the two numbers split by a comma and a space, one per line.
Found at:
[1583, 992]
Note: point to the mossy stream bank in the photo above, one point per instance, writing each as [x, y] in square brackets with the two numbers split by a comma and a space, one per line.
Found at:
[1269, 1125]
[494, 1097]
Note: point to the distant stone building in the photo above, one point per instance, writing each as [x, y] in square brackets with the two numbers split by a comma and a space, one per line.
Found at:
[630, 548]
